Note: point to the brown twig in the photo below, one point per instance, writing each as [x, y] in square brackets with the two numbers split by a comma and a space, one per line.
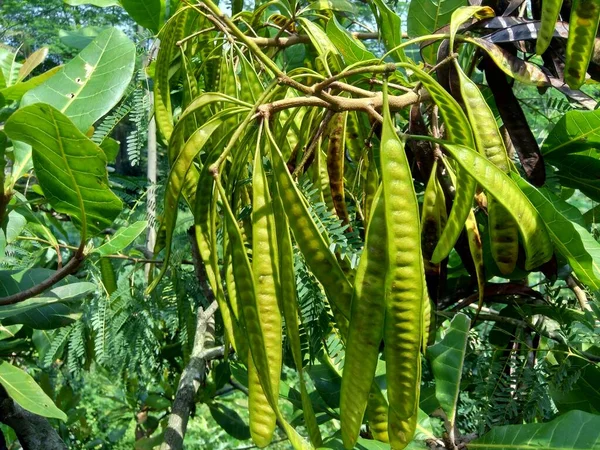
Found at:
[313, 144]
[70, 268]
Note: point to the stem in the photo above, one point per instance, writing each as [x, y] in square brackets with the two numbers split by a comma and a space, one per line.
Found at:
[191, 378]
[60, 274]
[214, 169]
[313, 143]
[383, 69]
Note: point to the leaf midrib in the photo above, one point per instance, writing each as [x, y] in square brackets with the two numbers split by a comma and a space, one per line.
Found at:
[73, 180]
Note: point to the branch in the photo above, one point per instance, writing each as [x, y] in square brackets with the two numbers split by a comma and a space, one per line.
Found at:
[59, 275]
[579, 292]
[302, 39]
[33, 432]
[338, 104]
[191, 379]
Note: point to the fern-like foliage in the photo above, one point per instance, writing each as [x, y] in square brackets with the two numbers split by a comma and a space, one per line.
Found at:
[140, 102]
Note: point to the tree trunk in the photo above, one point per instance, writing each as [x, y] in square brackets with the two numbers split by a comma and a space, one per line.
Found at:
[34, 432]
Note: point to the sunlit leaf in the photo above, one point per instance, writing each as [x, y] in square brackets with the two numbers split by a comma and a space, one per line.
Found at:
[70, 168]
[24, 390]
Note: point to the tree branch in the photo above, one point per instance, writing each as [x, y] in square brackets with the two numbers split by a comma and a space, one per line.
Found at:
[338, 104]
[59, 275]
[302, 39]
[33, 432]
[191, 379]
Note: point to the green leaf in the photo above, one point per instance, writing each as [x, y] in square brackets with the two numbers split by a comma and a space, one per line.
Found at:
[24, 390]
[70, 168]
[333, 5]
[583, 395]
[79, 38]
[576, 131]
[13, 281]
[46, 317]
[9, 331]
[352, 50]
[33, 61]
[99, 3]
[122, 238]
[61, 294]
[579, 172]
[230, 421]
[571, 240]
[146, 13]
[390, 26]
[111, 149]
[18, 90]
[573, 430]
[327, 382]
[9, 67]
[447, 358]
[91, 83]
[427, 16]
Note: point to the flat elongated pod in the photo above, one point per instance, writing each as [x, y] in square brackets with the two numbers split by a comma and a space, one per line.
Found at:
[289, 304]
[537, 244]
[583, 25]
[366, 326]
[459, 131]
[265, 265]
[316, 252]
[335, 165]
[404, 286]
[550, 13]
[503, 232]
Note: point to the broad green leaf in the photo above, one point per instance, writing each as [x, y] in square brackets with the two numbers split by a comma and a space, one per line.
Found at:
[535, 239]
[9, 331]
[34, 60]
[230, 421]
[576, 131]
[579, 172]
[447, 358]
[79, 38]
[571, 240]
[16, 224]
[583, 394]
[9, 67]
[575, 430]
[146, 13]
[99, 3]
[60, 294]
[46, 317]
[18, 90]
[111, 149]
[122, 239]
[13, 281]
[70, 168]
[390, 26]
[24, 390]
[427, 16]
[327, 383]
[334, 5]
[91, 83]
[328, 52]
[352, 50]
[464, 13]
[22, 161]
